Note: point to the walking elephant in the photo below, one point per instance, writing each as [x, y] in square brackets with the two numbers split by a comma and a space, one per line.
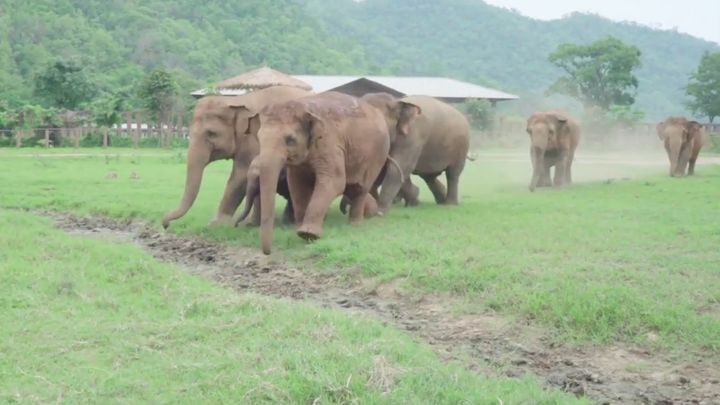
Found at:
[220, 130]
[683, 140]
[429, 137]
[332, 144]
[554, 136]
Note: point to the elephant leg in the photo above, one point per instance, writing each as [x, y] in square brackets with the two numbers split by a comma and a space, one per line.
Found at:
[545, 178]
[691, 166]
[684, 159]
[232, 197]
[255, 219]
[436, 187]
[326, 189]
[301, 189]
[371, 206]
[288, 217]
[452, 174]
[560, 167]
[357, 208]
[410, 193]
[568, 168]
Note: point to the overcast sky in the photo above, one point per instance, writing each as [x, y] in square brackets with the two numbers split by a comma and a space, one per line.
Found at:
[700, 18]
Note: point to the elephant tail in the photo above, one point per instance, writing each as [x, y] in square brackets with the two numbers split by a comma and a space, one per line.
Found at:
[472, 156]
[394, 162]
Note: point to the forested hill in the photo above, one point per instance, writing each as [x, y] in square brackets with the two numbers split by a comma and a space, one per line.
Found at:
[119, 40]
[471, 40]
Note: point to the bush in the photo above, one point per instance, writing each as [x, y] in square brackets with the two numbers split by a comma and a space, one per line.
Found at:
[482, 114]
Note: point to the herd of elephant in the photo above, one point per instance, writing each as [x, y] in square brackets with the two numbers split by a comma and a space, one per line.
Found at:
[311, 148]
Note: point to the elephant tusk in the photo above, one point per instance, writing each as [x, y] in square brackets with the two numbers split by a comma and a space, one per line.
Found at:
[393, 161]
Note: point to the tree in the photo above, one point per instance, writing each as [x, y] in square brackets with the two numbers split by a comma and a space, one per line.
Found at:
[599, 74]
[64, 85]
[158, 92]
[481, 113]
[704, 87]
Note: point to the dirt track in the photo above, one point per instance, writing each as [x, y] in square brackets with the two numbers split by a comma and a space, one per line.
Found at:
[488, 343]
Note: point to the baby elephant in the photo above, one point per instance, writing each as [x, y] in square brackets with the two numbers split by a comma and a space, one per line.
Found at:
[683, 140]
[554, 136]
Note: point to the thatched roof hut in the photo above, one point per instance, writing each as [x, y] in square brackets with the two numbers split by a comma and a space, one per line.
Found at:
[260, 79]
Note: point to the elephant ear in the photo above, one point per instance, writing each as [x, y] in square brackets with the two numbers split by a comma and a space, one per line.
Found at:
[311, 125]
[245, 120]
[694, 129]
[660, 128]
[561, 123]
[406, 115]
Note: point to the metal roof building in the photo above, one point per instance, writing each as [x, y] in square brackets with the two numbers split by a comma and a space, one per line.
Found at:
[447, 89]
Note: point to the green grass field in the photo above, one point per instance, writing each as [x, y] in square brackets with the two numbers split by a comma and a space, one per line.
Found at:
[624, 254]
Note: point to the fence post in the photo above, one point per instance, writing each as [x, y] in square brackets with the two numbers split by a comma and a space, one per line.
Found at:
[105, 136]
[136, 135]
[76, 136]
[18, 137]
[47, 138]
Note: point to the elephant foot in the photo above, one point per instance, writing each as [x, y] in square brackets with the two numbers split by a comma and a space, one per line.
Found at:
[222, 220]
[309, 232]
[412, 202]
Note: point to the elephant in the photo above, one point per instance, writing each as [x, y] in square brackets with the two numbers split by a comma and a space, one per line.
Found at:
[554, 136]
[332, 144]
[220, 130]
[683, 140]
[429, 137]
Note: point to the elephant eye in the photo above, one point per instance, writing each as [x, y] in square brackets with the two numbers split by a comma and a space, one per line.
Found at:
[212, 134]
[290, 140]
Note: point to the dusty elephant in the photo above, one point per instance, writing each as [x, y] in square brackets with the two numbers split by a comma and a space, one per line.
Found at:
[219, 130]
[332, 144]
[554, 136]
[683, 140]
[429, 137]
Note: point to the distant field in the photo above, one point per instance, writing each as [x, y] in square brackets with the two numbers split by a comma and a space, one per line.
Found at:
[624, 254]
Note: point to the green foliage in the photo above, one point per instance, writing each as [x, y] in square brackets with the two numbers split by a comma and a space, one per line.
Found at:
[471, 40]
[481, 112]
[108, 111]
[599, 74]
[625, 115]
[704, 87]
[64, 85]
[117, 42]
[158, 92]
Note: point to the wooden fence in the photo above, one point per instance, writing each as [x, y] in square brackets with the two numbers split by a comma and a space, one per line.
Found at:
[47, 137]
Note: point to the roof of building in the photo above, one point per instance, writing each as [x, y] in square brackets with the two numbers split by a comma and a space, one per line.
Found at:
[261, 78]
[439, 87]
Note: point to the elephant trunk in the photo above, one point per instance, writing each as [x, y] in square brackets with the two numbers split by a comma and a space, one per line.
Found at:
[538, 159]
[674, 147]
[198, 157]
[270, 167]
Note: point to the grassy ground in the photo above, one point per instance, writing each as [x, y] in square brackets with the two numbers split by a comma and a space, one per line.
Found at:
[601, 261]
[96, 321]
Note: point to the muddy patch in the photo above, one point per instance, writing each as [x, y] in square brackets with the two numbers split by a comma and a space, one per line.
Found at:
[488, 344]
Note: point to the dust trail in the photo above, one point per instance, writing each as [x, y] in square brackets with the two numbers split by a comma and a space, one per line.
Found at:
[487, 343]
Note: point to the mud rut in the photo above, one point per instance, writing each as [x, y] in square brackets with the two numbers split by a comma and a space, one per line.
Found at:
[488, 344]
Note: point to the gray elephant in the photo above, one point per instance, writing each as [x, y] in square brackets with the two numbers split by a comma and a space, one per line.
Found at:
[220, 129]
[683, 140]
[554, 136]
[428, 137]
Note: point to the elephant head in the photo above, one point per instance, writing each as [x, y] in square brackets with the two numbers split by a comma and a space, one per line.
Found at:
[398, 114]
[678, 134]
[218, 131]
[545, 130]
[286, 133]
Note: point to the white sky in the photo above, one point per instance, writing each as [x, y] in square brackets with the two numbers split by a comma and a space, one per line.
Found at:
[700, 18]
